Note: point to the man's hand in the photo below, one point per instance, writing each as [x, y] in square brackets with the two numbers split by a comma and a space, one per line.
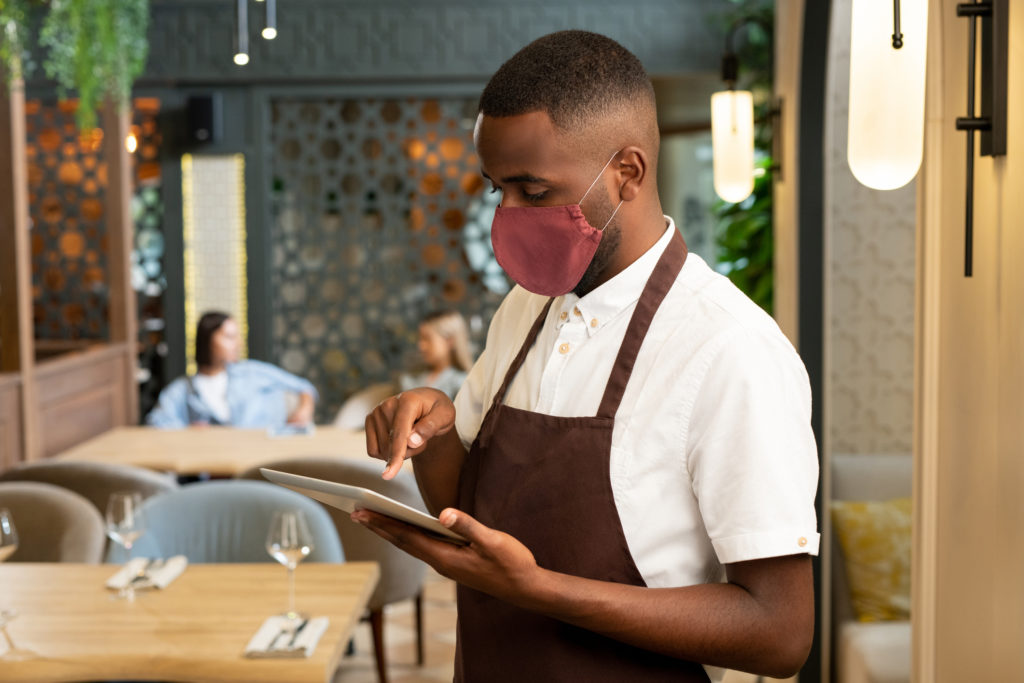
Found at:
[493, 562]
[400, 426]
[761, 620]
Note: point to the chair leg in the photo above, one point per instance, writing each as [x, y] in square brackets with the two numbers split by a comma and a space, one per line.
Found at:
[377, 625]
[419, 628]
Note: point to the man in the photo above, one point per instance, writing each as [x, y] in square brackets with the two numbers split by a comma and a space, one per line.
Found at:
[631, 456]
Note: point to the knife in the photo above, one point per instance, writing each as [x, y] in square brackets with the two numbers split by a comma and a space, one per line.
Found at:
[295, 634]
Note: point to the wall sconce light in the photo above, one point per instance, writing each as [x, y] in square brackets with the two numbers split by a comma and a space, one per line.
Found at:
[992, 122]
[887, 79]
[242, 33]
[732, 129]
[887, 85]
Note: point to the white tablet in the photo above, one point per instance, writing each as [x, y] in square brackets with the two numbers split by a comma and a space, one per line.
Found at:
[350, 498]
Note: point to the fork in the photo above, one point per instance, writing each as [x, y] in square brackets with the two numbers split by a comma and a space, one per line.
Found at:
[151, 565]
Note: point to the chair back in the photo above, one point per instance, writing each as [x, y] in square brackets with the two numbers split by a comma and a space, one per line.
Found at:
[401, 574]
[353, 412]
[53, 524]
[226, 521]
[93, 480]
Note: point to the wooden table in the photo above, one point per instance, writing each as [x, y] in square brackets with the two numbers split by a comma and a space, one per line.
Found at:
[219, 451]
[194, 630]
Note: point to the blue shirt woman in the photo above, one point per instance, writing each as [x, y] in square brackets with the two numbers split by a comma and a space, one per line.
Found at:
[228, 391]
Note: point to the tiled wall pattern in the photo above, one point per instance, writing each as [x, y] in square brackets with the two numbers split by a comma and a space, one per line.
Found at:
[213, 212]
[378, 217]
[869, 286]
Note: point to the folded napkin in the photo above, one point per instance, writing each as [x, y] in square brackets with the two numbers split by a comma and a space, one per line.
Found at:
[146, 573]
[276, 634]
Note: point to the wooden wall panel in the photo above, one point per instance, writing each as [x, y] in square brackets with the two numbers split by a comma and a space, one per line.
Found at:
[10, 421]
[968, 561]
[82, 395]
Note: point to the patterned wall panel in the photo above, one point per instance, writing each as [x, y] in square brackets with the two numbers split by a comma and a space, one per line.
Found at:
[379, 217]
[213, 212]
[67, 183]
[66, 179]
[330, 40]
[870, 286]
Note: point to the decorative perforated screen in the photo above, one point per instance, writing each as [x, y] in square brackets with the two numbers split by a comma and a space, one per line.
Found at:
[66, 181]
[374, 205]
[67, 178]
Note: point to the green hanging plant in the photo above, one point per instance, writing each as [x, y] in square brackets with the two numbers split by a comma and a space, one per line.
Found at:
[13, 37]
[95, 47]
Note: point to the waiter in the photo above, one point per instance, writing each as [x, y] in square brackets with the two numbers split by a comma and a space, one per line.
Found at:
[631, 457]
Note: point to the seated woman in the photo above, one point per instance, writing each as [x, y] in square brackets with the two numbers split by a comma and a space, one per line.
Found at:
[444, 350]
[227, 391]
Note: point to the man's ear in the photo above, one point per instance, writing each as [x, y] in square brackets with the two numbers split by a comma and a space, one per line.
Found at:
[632, 169]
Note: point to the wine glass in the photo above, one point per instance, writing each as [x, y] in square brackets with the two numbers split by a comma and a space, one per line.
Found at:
[8, 535]
[125, 524]
[289, 542]
[8, 544]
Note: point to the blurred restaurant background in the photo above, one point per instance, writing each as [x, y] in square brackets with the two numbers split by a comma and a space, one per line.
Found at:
[318, 182]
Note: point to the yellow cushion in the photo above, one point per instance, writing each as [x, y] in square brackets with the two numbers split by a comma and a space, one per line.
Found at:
[874, 537]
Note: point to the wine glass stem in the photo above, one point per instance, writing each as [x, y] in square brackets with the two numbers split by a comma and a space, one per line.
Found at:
[291, 591]
[129, 592]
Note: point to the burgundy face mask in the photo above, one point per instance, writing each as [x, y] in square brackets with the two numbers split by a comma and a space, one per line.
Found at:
[546, 249]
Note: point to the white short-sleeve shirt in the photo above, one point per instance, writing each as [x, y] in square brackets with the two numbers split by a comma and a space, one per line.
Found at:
[713, 459]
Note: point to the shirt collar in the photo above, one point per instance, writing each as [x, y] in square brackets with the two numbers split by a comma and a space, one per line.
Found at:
[605, 303]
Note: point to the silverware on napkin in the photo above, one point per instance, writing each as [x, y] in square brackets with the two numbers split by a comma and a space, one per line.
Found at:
[291, 634]
[145, 574]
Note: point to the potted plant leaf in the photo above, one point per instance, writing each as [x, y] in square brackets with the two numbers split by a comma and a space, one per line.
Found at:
[95, 48]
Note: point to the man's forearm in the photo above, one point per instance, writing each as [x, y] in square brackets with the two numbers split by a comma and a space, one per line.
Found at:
[766, 631]
[437, 471]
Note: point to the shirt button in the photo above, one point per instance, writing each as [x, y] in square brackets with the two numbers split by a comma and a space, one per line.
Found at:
[576, 310]
[564, 315]
[802, 542]
[593, 322]
[564, 348]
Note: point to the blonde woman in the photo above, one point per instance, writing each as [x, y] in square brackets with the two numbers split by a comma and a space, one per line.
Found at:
[444, 351]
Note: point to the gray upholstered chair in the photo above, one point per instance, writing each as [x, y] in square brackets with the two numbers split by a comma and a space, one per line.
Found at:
[226, 521]
[401, 575]
[93, 480]
[53, 524]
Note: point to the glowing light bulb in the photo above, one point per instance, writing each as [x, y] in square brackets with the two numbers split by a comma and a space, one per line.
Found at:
[269, 33]
[131, 143]
[241, 59]
[886, 128]
[732, 144]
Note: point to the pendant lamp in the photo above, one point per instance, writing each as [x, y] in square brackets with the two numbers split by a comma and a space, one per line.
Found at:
[887, 80]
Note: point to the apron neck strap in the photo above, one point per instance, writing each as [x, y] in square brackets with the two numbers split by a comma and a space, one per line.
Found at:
[658, 284]
[531, 337]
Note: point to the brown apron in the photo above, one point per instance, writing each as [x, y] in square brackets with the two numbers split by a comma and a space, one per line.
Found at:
[545, 480]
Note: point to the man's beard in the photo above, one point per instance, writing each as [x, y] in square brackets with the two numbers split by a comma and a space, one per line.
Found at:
[610, 239]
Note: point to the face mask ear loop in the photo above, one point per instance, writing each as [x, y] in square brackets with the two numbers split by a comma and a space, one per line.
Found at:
[598, 177]
[612, 216]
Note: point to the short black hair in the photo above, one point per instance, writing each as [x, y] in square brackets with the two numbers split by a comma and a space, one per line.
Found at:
[570, 75]
[208, 324]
